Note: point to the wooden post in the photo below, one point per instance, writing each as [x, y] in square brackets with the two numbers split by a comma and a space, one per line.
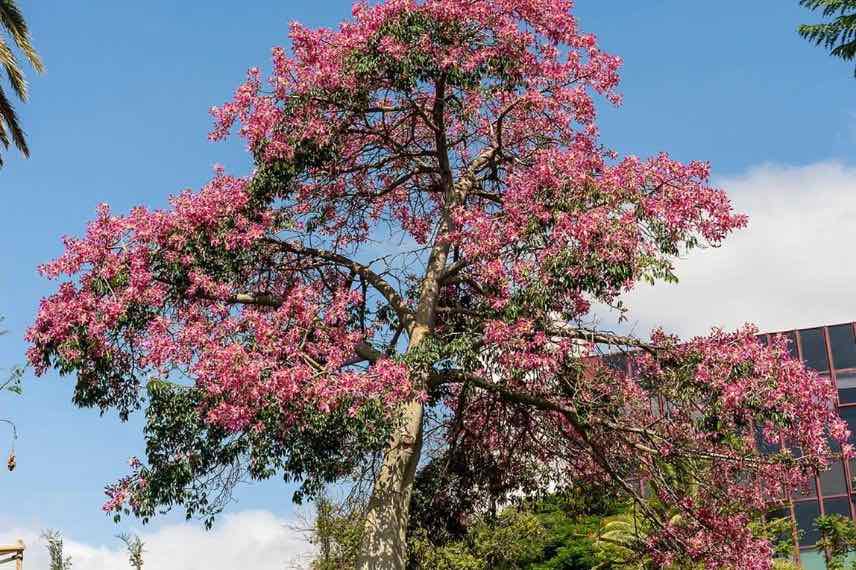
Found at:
[17, 552]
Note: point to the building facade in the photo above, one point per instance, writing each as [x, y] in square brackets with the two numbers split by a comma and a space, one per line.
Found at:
[831, 351]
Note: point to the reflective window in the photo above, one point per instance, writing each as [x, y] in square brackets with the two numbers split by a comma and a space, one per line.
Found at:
[846, 387]
[805, 491]
[833, 445]
[848, 414]
[837, 506]
[791, 342]
[805, 514]
[764, 447]
[783, 513]
[832, 481]
[843, 345]
[852, 472]
[814, 349]
[778, 514]
[617, 361]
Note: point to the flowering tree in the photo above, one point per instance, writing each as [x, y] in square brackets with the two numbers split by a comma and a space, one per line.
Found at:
[430, 218]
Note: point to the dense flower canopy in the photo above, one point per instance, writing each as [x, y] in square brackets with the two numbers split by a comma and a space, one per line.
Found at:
[430, 218]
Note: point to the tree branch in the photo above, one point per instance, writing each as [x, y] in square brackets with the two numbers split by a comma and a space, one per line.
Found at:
[395, 300]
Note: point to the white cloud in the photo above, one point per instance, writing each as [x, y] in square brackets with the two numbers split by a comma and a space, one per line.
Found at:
[256, 540]
[794, 266]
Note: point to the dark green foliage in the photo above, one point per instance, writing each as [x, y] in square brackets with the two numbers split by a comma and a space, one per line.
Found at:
[837, 35]
[196, 464]
[570, 536]
[560, 532]
[406, 73]
[837, 540]
[450, 492]
[779, 529]
[337, 535]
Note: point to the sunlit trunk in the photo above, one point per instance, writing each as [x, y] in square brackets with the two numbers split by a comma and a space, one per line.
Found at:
[385, 539]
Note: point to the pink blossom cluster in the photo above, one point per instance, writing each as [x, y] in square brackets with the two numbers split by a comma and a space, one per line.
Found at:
[293, 352]
[702, 407]
[553, 69]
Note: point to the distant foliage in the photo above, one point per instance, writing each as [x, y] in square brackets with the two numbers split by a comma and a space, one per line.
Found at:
[337, 534]
[135, 545]
[839, 34]
[59, 561]
[11, 383]
[511, 542]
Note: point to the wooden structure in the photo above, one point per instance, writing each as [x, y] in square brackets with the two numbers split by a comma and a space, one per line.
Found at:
[13, 553]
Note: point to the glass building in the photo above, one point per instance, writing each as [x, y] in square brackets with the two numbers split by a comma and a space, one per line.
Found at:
[831, 351]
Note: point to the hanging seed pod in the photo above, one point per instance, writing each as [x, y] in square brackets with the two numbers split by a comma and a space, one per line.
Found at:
[10, 464]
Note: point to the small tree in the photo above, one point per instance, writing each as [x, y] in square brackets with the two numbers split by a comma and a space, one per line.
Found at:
[837, 540]
[55, 549]
[134, 545]
[430, 220]
[337, 533]
[838, 35]
[11, 384]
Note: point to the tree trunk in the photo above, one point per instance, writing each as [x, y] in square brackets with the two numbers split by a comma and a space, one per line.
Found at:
[385, 539]
[385, 533]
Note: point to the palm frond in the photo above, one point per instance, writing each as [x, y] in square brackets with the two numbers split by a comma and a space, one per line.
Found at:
[4, 139]
[10, 117]
[13, 71]
[12, 19]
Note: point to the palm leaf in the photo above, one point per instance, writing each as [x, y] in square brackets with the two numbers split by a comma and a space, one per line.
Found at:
[12, 19]
[13, 71]
[10, 117]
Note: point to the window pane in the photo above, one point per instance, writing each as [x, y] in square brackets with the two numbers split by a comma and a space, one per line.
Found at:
[832, 481]
[848, 414]
[805, 515]
[617, 361]
[814, 349]
[846, 387]
[762, 340]
[781, 513]
[837, 506]
[792, 343]
[764, 447]
[805, 491]
[843, 345]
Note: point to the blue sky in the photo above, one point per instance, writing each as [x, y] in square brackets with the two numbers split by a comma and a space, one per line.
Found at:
[121, 116]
